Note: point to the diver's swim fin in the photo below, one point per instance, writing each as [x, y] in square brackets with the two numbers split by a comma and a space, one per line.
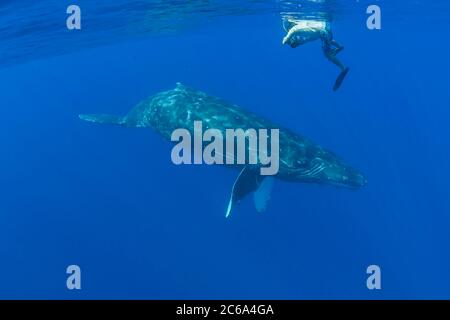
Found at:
[340, 78]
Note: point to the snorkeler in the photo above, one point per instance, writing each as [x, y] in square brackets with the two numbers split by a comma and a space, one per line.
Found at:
[303, 31]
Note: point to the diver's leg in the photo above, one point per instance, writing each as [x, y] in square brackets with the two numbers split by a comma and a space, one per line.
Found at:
[337, 47]
[337, 50]
[330, 54]
[330, 46]
[335, 44]
[336, 61]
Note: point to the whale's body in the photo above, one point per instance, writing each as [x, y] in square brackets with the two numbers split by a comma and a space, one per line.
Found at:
[300, 159]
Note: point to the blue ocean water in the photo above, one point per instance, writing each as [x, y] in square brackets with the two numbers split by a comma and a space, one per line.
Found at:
[110, 200]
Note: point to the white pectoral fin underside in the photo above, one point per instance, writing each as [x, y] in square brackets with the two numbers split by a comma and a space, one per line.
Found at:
[249, 180]
[230, 207]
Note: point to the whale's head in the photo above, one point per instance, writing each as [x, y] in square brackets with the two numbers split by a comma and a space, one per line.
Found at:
[344, 176]
[330, 170]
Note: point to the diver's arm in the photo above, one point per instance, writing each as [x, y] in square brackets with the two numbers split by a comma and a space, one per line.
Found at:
[287, 24]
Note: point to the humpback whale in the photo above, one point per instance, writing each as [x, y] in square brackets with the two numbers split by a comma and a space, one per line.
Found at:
[300, 159]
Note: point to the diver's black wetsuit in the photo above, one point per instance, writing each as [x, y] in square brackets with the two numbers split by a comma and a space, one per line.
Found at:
[331, 48]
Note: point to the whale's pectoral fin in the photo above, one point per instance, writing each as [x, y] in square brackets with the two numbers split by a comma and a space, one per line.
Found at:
[247, 181]
[262, 195]
[103, 118]
[250, 180]
[340, 78]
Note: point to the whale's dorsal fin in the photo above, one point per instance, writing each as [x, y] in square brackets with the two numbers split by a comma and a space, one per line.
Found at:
[250, 180]
[180, 86]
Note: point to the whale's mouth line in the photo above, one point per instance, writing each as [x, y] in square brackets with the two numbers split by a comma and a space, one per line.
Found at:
[345, 185]
[313, 171]
[350, 184]
[319, 167]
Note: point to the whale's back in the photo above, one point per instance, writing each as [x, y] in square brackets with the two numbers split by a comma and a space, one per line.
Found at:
[180, 107]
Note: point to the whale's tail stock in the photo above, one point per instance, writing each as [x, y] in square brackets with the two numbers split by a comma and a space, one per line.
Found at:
[103, 118]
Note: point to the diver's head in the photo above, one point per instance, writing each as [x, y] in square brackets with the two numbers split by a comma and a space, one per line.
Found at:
[293, 40]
